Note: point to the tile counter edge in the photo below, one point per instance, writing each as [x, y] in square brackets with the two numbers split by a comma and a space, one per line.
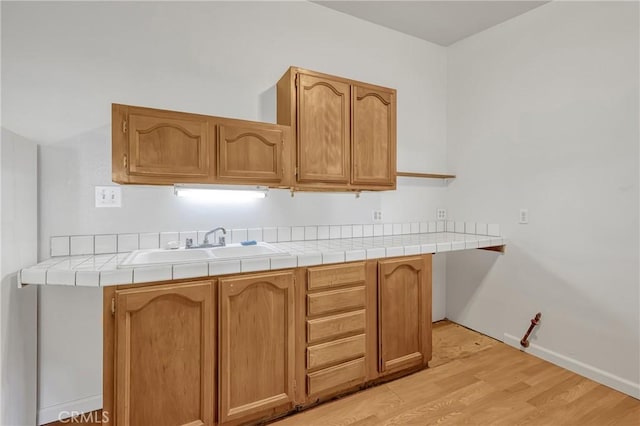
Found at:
[101, 270]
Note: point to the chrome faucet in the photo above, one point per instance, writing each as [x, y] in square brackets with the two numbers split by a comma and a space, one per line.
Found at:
[221, 239]
[205, 242]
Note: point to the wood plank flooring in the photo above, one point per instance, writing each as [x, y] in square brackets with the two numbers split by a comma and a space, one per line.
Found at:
[475, 380]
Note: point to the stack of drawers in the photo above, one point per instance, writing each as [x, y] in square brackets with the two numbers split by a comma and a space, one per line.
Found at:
[335, 322]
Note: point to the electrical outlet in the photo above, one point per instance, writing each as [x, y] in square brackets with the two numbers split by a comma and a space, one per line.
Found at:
[377, 215]
[441, 214]
[108, 196]
[524, 216]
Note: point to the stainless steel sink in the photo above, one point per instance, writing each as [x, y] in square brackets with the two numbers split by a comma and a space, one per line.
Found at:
[181, 255]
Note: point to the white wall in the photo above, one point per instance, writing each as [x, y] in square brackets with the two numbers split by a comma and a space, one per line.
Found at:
[18, 306]
[65, 63]
[543, 114]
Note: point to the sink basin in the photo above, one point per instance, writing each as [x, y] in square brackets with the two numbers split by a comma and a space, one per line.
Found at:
[155, 256]
[182, 255]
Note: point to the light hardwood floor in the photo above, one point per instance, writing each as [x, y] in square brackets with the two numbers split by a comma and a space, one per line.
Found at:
[476, 380]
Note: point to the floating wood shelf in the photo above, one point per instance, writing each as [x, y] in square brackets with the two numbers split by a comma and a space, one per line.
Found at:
[499, 249]
[426, 175]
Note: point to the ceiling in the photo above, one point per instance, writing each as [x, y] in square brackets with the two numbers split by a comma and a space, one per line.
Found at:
[440, 22]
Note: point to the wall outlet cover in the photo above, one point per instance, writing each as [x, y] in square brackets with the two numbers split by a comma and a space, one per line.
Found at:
[108, 196]
[441, 214]
[377, 215]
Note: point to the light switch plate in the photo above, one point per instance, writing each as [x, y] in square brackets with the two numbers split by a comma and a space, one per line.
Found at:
[108, 196]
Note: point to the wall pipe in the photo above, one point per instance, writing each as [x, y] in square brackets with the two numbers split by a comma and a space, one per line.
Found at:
[535, 321]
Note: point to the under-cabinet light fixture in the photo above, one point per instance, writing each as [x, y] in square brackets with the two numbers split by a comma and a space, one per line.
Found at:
[220, 193]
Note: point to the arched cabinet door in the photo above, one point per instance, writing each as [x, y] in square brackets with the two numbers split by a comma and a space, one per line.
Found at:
[169, 147]
[324, 129]
[250, 154]
[256, 350]
[165, 355]
[404, 313]
[374, 137]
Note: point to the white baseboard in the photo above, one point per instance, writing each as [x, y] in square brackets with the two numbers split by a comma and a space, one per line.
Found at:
[589, 371]
[65, 410]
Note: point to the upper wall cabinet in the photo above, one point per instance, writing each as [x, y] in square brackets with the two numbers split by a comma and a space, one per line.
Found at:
[324, 109]
[345, 131]
[373, 145]
[158, 147]
[250, 153]
[153, 146]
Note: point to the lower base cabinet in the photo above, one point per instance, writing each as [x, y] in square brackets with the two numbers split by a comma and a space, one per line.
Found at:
[256, 346]
[241, 349]
[404, 313]
[164, 358]
[337, 330]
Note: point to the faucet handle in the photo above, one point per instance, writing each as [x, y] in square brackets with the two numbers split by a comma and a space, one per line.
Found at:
[222, 240]
[189, 243]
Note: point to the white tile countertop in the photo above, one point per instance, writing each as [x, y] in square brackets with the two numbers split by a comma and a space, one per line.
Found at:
[102, 270]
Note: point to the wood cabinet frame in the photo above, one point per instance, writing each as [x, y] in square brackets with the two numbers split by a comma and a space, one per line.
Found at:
[420, 266]
[212, 168]
[229, 287]
[272, 142]
[287, 91]
[338, 90]
[360, 92]
[297, 395]
[362, 158]
[116, 350]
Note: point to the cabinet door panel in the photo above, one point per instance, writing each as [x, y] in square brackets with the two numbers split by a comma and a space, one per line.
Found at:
[324, 108]
[404, 299]
[374, 137]
[256, 345]
[250, 154]
[165, 355]
[168, 147]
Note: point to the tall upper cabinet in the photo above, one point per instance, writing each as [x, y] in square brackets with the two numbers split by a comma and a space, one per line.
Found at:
[373, 140]
[159, 147]
[324, 129]
[345, 131]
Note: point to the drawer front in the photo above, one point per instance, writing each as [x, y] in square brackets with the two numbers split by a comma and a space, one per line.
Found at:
[335, 325]
[334, 276]
[335, 378]
[326, 354]
[335, 300]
